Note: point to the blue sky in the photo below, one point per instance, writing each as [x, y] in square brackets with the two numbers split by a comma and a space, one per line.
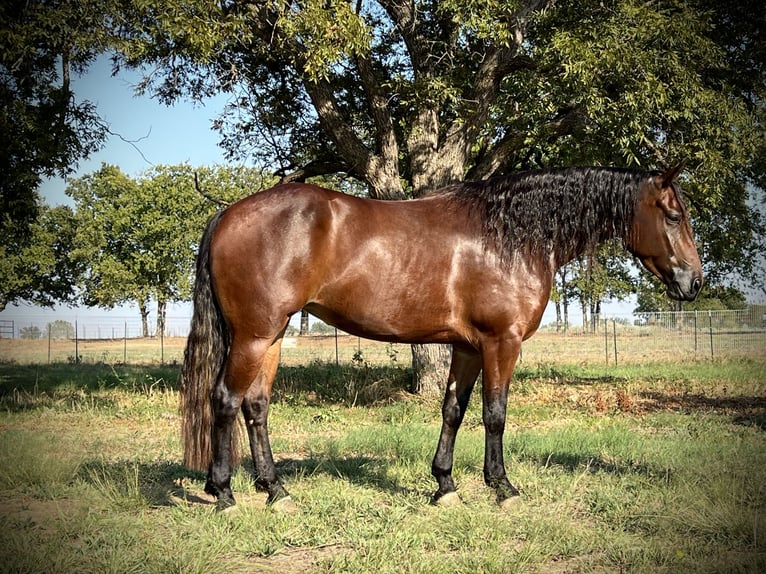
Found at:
[161, 135]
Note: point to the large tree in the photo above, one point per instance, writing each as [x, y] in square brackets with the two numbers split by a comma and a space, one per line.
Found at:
[410, 95]
[45, 129]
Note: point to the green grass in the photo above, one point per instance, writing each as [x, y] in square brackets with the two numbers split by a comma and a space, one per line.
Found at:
[657, 468]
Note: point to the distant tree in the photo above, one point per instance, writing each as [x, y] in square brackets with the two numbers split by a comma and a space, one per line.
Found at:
[725, 298]
[652, 298]
[321, 328]
[138, 237]
[560, 295]
[31, 332]
[596, 277]
[105, 243]
[222, 185]
[61, 330]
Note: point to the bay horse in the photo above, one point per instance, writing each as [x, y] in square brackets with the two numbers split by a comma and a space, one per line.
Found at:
[469, 265]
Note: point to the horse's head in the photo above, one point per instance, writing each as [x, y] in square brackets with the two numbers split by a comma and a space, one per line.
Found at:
[662, 237]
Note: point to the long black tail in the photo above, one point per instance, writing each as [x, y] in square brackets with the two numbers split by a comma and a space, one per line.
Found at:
[206, 351]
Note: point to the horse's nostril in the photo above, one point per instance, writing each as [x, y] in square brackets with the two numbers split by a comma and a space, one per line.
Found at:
[696, 285]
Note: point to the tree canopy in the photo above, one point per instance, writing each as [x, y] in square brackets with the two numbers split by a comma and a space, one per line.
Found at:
[406, 96]
[45, 130]
[409, 96]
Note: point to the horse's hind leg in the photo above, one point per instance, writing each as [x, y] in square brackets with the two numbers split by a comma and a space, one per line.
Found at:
[255, 408]
[464, 369]
[240, 370]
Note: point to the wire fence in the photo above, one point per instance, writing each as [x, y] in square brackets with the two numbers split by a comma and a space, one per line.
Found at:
[681, 336]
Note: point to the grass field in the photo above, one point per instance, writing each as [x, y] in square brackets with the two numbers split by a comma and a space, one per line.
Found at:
[644, 467]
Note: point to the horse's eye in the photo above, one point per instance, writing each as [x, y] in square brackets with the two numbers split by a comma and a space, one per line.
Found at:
[673, 218]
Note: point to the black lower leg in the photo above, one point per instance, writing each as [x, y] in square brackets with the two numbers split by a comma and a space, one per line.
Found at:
[494, 465]
[218, 482]
[265, 472]
[453, 411]
[441, 467]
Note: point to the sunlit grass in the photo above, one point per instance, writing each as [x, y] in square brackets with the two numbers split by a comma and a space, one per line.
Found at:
[653, 469]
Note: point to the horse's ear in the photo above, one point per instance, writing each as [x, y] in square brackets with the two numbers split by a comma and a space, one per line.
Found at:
[670, 175]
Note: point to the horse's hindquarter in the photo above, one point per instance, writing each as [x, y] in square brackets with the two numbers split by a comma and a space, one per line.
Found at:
[411, 271]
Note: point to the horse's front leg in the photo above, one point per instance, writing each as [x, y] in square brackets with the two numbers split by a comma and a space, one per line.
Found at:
[465, 367]
[498, 360]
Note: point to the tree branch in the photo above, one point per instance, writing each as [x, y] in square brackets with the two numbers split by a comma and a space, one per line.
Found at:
[206, 196]
[496, 158]
[380, 174]
[388, 148]
[313, 169]
[402, 13]
[499, 156]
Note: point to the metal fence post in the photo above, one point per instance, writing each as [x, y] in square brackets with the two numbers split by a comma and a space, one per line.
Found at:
[337, 358]
[606, 342]
[710, 331]
[695, 332]
[614, 334]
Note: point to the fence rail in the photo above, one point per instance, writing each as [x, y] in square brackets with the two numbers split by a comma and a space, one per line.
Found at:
[681, 336]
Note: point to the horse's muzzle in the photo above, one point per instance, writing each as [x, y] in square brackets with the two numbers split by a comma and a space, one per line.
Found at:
[685, 285]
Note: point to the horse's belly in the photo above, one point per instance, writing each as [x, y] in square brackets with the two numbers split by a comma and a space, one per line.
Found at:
[401, 324]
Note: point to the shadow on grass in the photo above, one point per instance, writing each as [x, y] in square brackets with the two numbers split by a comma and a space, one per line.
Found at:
[743, 410]
[584, 463]
[562, 375]
[90, 377]
[364, 471]
[327, 383]
[128, 485]
[24, 387]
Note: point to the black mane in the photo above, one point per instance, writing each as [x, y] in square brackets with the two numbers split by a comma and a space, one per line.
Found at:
[562, 212]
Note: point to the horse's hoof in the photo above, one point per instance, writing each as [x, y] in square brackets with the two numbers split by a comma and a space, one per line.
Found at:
[284, 505]
[510, 503]
[226, 505]
[231, 509]
[449, 500]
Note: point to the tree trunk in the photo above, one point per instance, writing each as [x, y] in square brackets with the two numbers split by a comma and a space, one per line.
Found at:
[558, 316]
[144, 311]
[304, 329]
[584, 307]
[162, 310]
[595, 314]
[430, 366]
